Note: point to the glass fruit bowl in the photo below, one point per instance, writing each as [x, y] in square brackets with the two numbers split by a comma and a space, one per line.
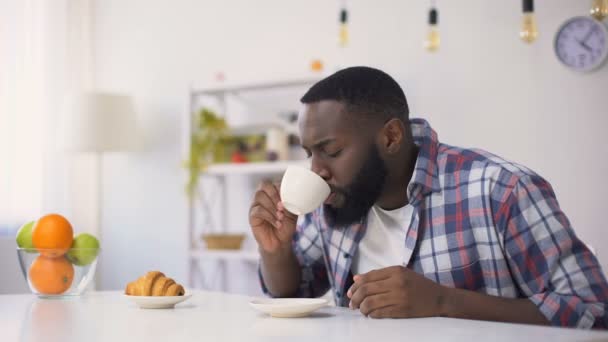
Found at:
[58, 273]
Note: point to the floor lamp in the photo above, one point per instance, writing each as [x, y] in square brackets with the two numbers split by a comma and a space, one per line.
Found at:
[99, 123]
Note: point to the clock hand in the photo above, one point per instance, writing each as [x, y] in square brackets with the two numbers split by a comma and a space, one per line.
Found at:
[587, 47]
[588, 35]
[583, 44]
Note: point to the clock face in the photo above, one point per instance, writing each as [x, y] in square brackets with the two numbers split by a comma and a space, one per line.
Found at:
[581, 43]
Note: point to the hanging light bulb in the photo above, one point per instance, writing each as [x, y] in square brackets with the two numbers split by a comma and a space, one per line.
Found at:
[433, 40]
[343, 38]
[599, 9]
[529, 31]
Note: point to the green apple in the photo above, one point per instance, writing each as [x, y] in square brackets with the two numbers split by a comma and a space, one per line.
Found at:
[84, 250]
[24, 236]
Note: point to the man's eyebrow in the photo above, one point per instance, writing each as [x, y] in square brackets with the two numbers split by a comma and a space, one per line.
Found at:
[323, 142]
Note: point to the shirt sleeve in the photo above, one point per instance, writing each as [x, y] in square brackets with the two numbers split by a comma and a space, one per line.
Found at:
[308, 249]
[551, 266]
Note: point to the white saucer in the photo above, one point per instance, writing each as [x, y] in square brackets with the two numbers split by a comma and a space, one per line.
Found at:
[288, 307]
[158, 302]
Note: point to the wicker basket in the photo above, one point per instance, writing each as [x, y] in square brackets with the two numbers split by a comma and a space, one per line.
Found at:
[223, 241]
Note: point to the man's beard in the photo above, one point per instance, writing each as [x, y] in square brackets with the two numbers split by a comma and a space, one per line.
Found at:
[361, 194]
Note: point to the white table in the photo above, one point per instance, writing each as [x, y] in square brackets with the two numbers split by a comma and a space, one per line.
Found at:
[212, 316]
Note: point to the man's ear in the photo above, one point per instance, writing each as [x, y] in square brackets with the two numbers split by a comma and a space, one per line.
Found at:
[392, 135]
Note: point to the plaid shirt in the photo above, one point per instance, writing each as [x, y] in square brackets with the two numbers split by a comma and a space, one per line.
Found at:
[480, 223]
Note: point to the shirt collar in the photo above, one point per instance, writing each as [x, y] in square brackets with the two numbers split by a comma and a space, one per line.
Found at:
[426, 174]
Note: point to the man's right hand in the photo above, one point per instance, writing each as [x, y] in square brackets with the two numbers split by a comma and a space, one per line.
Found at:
[272, 225]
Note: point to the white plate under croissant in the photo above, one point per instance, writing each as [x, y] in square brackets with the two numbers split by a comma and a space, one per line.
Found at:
[155, 302]
[155, 291]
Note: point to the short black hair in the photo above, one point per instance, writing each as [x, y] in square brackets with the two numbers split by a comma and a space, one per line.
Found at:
[362, 90]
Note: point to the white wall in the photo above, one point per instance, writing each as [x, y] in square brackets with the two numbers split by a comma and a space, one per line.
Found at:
[485, 88]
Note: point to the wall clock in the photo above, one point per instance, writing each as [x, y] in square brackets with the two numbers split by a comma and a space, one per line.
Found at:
[581, 44]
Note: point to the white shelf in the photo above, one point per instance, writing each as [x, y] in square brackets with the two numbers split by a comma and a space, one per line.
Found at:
[260, 168]
[281, 93]
[234, 88]
[225, 254]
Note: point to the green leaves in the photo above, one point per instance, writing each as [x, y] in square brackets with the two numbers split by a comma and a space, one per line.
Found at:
[207, 145]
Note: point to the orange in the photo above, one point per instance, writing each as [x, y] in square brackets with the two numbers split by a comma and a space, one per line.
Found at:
[52, 235]
[51, 275]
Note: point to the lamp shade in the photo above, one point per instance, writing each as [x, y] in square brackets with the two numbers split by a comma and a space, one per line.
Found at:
[99, 122]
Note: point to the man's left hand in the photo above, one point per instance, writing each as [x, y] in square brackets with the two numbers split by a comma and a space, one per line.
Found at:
[396, 292]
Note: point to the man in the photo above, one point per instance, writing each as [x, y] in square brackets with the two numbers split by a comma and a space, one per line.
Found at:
[417, 228]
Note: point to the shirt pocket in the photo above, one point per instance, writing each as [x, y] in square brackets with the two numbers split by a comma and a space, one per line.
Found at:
[469, 277]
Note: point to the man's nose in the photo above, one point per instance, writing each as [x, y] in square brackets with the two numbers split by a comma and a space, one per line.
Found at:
[320, 168]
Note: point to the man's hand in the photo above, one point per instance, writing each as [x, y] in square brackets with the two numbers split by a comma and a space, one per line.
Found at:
[396, 292]
[272, 225]
[273, 228]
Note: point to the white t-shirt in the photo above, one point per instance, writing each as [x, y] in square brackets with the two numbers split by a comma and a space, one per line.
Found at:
[384, 242]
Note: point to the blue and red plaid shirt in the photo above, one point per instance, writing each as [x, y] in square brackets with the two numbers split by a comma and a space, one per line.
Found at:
[480, 223]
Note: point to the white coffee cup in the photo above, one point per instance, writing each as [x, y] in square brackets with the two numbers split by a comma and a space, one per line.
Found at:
[302, 190]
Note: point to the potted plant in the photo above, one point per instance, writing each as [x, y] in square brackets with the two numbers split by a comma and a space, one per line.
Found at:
[207, 145]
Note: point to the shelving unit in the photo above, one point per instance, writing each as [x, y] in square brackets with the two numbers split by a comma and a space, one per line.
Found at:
[261, 168]
[209, 199]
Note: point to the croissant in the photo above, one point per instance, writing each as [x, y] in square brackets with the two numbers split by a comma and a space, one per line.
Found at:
[154, 283]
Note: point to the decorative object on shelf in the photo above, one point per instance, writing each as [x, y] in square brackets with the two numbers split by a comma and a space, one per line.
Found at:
[239, 156]
[433, 40]
[245, 147]
[277, 147]
[223, 241]
[290, 117]
[207, 145]
[581, 44]
[343, 37]
[599, 9]
[529, 30]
